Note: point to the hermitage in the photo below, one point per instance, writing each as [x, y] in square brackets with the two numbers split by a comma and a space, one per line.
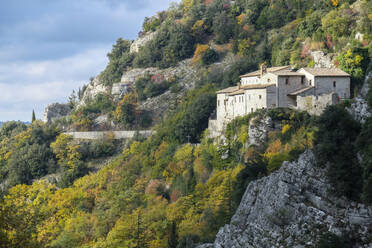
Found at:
[309, 89]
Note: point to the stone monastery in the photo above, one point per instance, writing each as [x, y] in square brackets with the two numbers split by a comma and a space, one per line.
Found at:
[309, 89]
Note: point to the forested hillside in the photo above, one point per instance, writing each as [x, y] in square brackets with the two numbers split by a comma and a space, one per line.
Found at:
[178, 187]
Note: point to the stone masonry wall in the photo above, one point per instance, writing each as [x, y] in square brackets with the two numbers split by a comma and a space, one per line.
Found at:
[94, 135]
[315, 105]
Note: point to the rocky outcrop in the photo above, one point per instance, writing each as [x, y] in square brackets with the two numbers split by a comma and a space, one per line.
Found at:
[55, 111]
[259, 128]
[93, 89]
[118, 90]
[359, 107]
[141, 41]
[321, 60]
[293, 207]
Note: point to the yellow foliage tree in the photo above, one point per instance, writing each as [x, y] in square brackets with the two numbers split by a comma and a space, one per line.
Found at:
[199, 51]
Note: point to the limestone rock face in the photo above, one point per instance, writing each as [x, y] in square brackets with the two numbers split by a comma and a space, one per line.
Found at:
[93, 90]
[359, 108]
[258, 130]
[55, 111]
[321, 60]
[293, 207]
[118, 90]
[141, 41]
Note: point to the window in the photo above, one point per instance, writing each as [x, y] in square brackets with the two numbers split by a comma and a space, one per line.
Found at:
[218, 103]
[251, 109]
[310, 83]
[260, 97]
[263, 107]
[287, 81]
[268, 80]
[302, 80]
[334, 83]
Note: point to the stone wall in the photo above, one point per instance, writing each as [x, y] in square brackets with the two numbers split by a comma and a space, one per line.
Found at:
[95, 135]
[315, 105]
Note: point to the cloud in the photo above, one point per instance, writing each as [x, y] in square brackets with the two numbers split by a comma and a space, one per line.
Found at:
[49, 48]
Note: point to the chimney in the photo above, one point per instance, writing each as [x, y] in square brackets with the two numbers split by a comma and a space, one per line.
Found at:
[263, 69]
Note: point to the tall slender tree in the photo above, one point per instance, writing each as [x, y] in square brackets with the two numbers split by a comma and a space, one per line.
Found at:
[33, 116]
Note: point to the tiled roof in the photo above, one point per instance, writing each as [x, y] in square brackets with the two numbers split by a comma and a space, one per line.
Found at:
[271, 69]
[327, 72]
[250, 87]
[297, 92]
[238, 92]
[228, 90]
[287, 73]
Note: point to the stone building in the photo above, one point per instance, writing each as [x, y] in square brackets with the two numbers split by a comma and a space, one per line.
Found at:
[281, 87]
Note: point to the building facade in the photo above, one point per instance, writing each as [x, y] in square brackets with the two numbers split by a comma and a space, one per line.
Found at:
[280, 87]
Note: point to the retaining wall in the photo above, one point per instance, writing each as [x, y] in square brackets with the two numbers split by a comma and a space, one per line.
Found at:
[95, 135]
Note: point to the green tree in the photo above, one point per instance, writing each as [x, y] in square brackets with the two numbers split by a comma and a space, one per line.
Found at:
[335, 146]
[33, 116]
[223, 27]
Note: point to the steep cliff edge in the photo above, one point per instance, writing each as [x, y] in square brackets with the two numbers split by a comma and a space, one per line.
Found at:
[294, 207]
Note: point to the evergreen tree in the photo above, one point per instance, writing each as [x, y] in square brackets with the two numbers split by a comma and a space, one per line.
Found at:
[173, 237]
[33, 116]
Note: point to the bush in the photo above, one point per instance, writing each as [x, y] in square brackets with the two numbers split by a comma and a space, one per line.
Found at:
[209, 57]
[276, 161]
[331, 240]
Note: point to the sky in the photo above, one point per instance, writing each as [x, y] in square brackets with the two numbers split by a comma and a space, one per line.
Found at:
[50, 47]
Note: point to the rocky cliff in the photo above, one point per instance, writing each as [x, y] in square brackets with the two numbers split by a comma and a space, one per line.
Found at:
[294, 207]
[55, 111]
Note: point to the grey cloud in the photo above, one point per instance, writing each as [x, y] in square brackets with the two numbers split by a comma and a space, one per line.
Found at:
[48, 48]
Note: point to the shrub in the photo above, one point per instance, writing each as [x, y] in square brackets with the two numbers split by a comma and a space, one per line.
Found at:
[210, 56]
[275, 161]
[204, 55]
[331, 240]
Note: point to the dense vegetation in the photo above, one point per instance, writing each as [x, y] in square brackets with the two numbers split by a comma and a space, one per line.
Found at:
[178, 187]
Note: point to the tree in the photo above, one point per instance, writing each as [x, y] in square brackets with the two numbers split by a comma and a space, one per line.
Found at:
[223, 27]
[173, 236]
[335, 146]
[72, 100]
[33, 116]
